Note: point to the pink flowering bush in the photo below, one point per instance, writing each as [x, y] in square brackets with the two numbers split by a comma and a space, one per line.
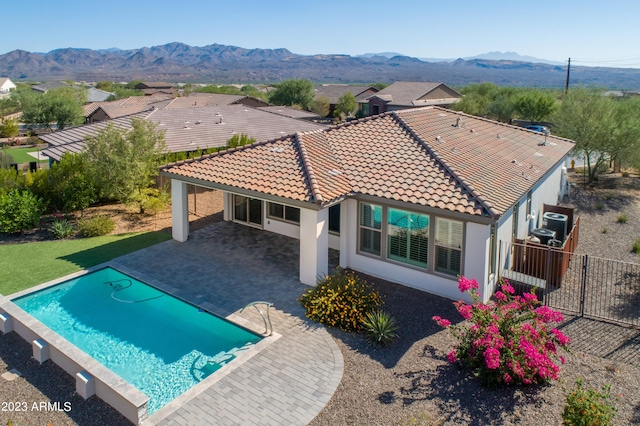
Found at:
[509, 341]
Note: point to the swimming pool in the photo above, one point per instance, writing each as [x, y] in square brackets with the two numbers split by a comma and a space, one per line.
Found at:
[158, 343]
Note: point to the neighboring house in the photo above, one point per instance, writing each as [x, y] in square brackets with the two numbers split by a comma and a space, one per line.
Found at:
[6, 85]
[291, 112]
[97, 95]
[156, 87]
[334, 91]
[45, 87]
[197, 99]
[101, 111]
[410, 94]
[417, 197]
[186, 129]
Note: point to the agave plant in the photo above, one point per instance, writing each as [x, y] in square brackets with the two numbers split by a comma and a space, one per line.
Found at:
[61, 228]
[380, 327]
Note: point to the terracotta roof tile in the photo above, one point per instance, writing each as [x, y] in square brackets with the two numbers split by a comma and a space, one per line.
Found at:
[417, 156]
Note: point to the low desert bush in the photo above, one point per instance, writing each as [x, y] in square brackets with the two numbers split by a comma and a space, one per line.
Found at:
[340, 300]
[622, 218]
[589, 407]
[96, 226]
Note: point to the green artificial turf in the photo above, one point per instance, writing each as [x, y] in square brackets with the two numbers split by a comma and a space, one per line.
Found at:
[29, 264]
[20, 155]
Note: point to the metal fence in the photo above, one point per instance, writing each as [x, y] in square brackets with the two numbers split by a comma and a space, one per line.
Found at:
[591, 287]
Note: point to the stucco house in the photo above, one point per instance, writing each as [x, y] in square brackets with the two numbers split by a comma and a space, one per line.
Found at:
[6, 85]
[415, 196]
[409, 94]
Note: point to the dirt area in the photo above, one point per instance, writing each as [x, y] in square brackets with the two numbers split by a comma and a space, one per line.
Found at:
[205, 208]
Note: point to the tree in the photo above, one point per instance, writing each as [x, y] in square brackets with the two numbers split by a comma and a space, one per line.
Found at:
[589, 119]
[293, 92]
[125, 163]
[477, 98]
[534, 105]
[62, 106]
[239, 140]
[67, 185]
[321, 105]
[9, 129]
[379, 85]
[19, 211]
[346, 105]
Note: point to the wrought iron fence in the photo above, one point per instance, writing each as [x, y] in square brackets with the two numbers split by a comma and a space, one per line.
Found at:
[589, 286]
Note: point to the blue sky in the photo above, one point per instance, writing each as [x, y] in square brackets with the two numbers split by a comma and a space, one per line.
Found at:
[591, 32]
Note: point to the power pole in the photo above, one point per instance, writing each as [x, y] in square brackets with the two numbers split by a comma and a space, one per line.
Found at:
[566, 87]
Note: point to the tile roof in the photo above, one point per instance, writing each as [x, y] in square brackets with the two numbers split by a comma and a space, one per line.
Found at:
[334, 91]
[129, 105]
[48, 86]
[421, 156]
[407, 93]
[188, 129]
[290, 112]
[97, 95]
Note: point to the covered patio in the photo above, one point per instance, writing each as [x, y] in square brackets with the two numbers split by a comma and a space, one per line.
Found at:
[223, 268]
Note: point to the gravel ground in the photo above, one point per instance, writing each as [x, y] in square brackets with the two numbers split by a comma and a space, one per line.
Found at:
[410, 382]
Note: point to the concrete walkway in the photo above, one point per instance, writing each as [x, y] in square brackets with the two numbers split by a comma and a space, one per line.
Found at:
[222, 268]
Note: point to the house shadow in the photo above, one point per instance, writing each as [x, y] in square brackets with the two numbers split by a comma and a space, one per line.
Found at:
[412, 310]
[103, 253]
[460, 396]
[50, 381]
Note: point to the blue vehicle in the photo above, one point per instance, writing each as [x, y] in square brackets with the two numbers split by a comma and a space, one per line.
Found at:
[539, 129]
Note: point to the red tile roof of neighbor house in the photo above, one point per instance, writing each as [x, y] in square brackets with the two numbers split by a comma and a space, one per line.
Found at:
[428, 156]
[409, 93]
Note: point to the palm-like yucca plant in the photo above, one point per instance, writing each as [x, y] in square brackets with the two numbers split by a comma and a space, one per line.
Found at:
[380, 327]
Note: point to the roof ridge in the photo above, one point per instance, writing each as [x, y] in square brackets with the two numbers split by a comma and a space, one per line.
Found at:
[306, 164]
[356, 121]
[466, 185]
[223, 151]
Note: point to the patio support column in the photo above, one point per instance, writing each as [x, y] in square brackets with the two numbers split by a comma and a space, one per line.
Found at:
[227, 213]
[179, 211]
[314, 244]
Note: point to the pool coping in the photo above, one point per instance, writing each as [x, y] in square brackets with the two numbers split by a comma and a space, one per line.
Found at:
[94, 378]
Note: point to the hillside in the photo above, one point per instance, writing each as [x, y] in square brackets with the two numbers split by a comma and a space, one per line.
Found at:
[220, 63]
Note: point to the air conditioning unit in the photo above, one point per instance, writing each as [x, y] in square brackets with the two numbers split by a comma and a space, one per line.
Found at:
[544, 235]
[556, 222]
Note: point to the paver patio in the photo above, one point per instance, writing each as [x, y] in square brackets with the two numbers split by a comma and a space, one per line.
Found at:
[223, 268]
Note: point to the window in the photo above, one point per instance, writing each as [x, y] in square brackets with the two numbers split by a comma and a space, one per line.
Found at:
[334, 219]
[370, 228]
[448, 246]
[247, 210]
[408, 237]
[287, 213]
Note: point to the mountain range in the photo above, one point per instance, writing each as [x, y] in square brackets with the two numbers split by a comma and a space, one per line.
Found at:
[179, 62]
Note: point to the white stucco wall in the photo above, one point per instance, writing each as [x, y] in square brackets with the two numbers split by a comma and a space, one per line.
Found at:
[476, 260]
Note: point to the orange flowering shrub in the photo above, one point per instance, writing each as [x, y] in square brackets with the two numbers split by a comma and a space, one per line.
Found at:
[340, 300]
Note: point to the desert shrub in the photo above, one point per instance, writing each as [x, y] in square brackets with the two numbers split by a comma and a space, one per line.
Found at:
[636, 246]
[510, 340]
[599, 206]
[19, 211]
[96, 226]
[340, 300]
[9, 129]
[605, 230]
[152, 201]
[622, 218]
[588, 407]
[61, 228]
[380, 327]
[625, 174]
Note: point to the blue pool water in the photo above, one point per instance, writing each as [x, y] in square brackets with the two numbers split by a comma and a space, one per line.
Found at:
[159, 344]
